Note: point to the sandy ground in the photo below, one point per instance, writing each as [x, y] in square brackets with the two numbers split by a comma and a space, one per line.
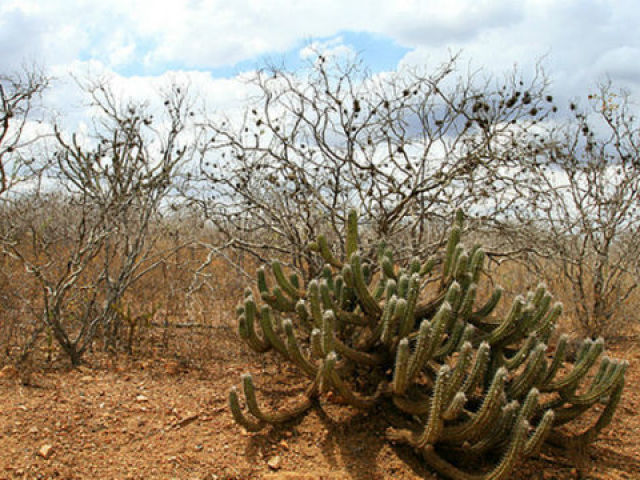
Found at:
[164, 419]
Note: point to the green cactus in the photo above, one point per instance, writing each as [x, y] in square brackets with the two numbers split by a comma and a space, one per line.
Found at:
[469, 382]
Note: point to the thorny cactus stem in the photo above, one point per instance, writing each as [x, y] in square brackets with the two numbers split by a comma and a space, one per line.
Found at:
[470, 382]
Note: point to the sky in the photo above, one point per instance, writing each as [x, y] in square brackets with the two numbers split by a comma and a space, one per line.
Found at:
[142, 42]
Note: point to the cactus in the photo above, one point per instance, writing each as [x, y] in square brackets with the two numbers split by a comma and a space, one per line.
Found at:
[471, 384]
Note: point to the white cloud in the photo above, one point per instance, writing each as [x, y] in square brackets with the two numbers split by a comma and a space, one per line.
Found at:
[334, 48]
[582, 40]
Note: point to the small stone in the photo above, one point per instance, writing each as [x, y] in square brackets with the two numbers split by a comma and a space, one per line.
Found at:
[141, 398]
[87, 378]
[275, 462]
[33, 430]
[45, 451]
[284, 444]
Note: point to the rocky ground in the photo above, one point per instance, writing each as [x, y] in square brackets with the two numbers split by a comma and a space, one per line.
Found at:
[154, 418]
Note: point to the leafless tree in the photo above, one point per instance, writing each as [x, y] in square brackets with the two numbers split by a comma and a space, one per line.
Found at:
[583, 214]
[90, 232]
[19, 93]
[407, 149]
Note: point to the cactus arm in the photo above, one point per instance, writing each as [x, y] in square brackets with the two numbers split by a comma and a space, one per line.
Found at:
[401, 368]
[386, 322]
[266, 322]
[383, 323]
[351, 244]
[403, 285]
[396, 318]
[593, 351]
[541, 433]
[431, 431]
[462, 265]
[605, 417]
[459, 372]
[542, 306]
[435, 423]
[252, 339]
[476, 263]
[284, 282]
[280, 302]
[598, 389]
[275, 417]
[387, 268]
[478, 370]
[484, 311]
[316, 343]
[566, 414]
[325, 296]
[338, 290]
[368, 302]
[453, 296]
[456, 407]
[482, 421]
[415, 266]
[408, 322]
[249, 424]
[328, 331]
[452, 243]
[327, 274]
[509, 322]
[529, 407]
[556, 363]
[263, 287]
[520, 327]
[294, 351]
[303, 316]
[313, 294]
[247, 330]
[448, 347]
[606, 368]
[438, 326]
[422, 351]
[428, 266]
[517, 359]
[535, 368]
[325, 252]
[468, 300]
[548, 324]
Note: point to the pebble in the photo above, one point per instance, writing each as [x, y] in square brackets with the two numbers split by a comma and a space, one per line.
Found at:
[275, 462]
[45, 451]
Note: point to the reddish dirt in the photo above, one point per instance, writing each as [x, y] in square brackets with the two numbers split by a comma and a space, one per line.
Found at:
[155, 418]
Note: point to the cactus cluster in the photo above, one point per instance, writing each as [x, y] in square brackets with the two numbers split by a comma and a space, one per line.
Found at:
[472, 387]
